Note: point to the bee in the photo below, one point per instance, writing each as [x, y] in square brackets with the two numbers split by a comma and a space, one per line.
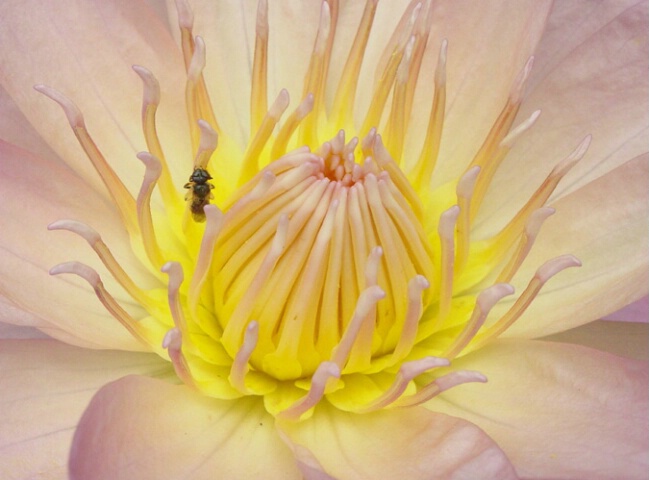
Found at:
[200, 192]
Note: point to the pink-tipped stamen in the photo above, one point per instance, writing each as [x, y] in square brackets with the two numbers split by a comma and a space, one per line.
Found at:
[258, 94]
[532, 229]
[213, 224]
[240, 367]
[324, 372]
[407, 372]
[290, 126]
[107, 300]
[464, 193]
[118, 191]
[172, 342]
[366, 303]
[446, 232]
[485, 302]
[542, 275]
[143, 203]
[440, 385]
[416, 288]
[250, 163]
[176, 277]
[103, 252]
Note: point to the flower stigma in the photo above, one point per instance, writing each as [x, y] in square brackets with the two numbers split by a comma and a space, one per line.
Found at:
[323, 267]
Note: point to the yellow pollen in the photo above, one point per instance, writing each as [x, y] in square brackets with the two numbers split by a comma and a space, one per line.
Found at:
[317, 268]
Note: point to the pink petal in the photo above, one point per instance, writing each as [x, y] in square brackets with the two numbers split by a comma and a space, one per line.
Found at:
[13, 332]
[557, 410]
[86, 50]
[635, 312]
[142, 428]
[604, 224]
[626, 339]
[16, 129]
[589, 77]
[45, 387]
[37, 191]
[489, 44]
[407, 443]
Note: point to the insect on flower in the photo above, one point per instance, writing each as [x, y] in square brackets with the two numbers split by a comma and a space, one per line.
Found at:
[200, 192]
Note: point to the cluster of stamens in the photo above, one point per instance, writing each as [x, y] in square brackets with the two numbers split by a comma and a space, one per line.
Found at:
[322, 272]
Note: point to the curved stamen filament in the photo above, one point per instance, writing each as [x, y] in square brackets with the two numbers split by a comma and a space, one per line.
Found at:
[176, 277]
[120, 195]
[409, 228]
[485, 302]
[542, 194]
[446, 232]
[506, 118]
[360, 355]
[186, 24]
[464, 193]
[316, 76]
[440, 385]
[240, 366]
[192, 102]
[324, 372]
[388, 75]
[290, 126]
[543, 274]
[244, 307]
[213, 225]
[107, 258]
[188, 45]
[151, 175]
[421, 32]
[250, 162]
[423, 171]
[407, 372]
[173, 341]
[209, 140]
[150, 102]
[532, 228]
[396, 126]
[364, 306]
[385, 161]
[107, 300]
[491, 165]
[416, 287]
[258, 95]
[266, 181]
[346, 92]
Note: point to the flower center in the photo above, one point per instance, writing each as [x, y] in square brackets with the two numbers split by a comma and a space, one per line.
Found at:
[328, 271]
[313, 237]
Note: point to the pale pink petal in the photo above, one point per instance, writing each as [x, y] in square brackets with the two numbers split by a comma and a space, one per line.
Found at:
[558, 410]
[142, 428]
[86, 50]
[589, 77]
[605, 225]
[635, 312]
[626, 339]
[16, 129]
[228, 31]
[45, 387]
[35, 192]
[395, 444]
[488, 46]
[8, 331]
[481, 59]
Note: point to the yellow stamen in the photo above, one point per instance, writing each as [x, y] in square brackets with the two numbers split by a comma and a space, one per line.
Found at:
[324, 270]
[119, 193]
[258, 96]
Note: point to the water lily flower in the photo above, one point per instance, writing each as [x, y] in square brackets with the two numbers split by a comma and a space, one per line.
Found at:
[312, 239]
